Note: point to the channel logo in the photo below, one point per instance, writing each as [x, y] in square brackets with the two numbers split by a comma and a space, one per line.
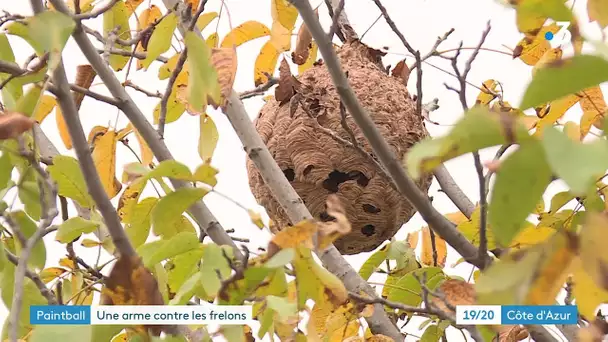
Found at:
[560, 37]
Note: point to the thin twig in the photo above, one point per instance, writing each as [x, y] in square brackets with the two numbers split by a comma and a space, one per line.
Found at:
[335, 16]
[94, 14]
[35, 278]
[130, 84]
[165, 99]
[259, 90]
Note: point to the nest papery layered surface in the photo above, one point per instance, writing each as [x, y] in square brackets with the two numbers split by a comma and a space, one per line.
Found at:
[317, 165]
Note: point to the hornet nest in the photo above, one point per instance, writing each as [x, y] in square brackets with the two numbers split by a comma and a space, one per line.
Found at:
[295, 126]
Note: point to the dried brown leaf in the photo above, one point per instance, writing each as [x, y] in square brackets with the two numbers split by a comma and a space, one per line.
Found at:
[455, 292]
[85, 74]
[12, 124]
[511, 333]
[303, 46]
[401, 71]
[288, 84]
[225, 62]
[330, 231]
[130, 283]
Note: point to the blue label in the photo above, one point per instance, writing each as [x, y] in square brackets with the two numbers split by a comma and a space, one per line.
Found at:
[539, 314]
[60, 314]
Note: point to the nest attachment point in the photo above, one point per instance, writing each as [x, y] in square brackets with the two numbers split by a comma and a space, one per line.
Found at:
[318, 165]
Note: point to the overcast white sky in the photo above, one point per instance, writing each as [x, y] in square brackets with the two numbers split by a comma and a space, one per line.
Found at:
[421, 21]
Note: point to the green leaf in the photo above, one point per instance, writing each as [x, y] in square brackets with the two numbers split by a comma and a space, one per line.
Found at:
[50, 31]
[118, 18]
[408, 290]
[521, 181]
[70, 181]
[208, 137]
[577, 164]
[214, 261]
[431, 334]
[64, 333]
[138, 227]
[27, 104]
[104, 333]
[281, 258]
[73, 228]
[507, 282]
[183, 266]
[563, 78]
[233, 333]
[283, 307]
[28, 228]
[169, 209]
[478, 129]
[31, 296]
[175, 108]
[372, 263]
[187, 290]
[160, 41]
[6, 169]
[11, 92]
[560, 199]
[157, 251]
[29, 195]
[206, 174]
[202, 80]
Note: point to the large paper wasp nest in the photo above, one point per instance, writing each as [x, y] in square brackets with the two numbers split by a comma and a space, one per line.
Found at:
[297, 125]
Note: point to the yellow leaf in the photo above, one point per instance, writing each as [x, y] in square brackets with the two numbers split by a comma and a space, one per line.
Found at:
[205, 19]
[487, 94]
[312, 58]
[280, 37]
[167, 68]
[294, 236]
[256, 218]
[338, 334]
[129, 199]
[557, 109]
[531, 49]
[412, 239]
[118, 16]
[598, 11]
[572, 130]
[104, 157]
[225, 62]
[548, 57]
[132, 5]
[44, 108]
[88, 243]
[586, 292]
[528, 23]
[212, 40]
[528, 236]
[266, 62]
[592, 249]
[67, 262]
[193, 5]
[175, 107]
[146, 152]
[95, 133]
[49, 274]
[589, 119]
[553, 271]
[593, 101]
[208, 137]
[62, 127]
[284, 13]
[427, 249]
[245, 32]
[146, 18]
[160, 40]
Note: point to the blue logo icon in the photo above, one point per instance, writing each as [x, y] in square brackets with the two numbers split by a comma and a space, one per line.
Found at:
[549, 35]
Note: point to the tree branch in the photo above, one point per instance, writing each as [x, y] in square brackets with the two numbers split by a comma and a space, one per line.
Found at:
[44, 291]
[205, 219]
[404, 183]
